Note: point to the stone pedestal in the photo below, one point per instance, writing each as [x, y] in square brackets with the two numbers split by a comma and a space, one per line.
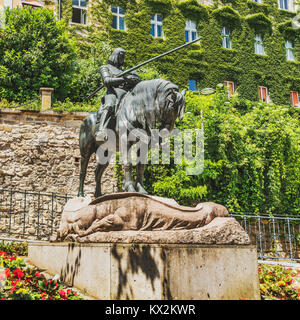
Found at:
[46, 94]
[121, 271]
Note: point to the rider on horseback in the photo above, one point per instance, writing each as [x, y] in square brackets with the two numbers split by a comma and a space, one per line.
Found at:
[116, 89]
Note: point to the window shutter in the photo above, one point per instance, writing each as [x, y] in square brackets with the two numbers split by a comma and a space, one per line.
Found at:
[294, 98]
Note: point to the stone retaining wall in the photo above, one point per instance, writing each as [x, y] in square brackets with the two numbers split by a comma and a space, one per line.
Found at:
[39, 158]
[39, 151]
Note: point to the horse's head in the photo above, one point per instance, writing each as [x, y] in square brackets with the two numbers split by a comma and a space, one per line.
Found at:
[173, 108]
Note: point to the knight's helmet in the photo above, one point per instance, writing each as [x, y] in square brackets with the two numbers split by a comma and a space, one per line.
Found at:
[114, 59]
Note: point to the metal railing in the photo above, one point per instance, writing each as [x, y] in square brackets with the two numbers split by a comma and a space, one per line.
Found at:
[276, 237]
[36, 215]
[32, 215]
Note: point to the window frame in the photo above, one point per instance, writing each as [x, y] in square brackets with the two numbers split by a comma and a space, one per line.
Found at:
[155, 22]
[227, 85]
[32, 5]
[83, 21]
[195, 84]
[226, 37]
[290, 5]
[259, 44]
[289, 51]
[292, 99]
[189, 29]
[119, 16]
[260, 95]
[10, 5]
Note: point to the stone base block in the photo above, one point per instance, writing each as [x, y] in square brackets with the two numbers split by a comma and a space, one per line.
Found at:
[153, 271]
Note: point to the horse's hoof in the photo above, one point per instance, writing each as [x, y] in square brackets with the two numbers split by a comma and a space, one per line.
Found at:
[140, 189]
[129, 188]
[97, 195]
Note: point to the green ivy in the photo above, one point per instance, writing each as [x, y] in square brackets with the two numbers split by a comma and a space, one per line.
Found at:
[207, 62]
[251, 157]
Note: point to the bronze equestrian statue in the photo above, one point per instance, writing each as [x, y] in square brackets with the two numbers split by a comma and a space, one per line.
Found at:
[129, 104]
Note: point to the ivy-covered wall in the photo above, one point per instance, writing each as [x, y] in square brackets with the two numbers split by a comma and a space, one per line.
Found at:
[207, 62]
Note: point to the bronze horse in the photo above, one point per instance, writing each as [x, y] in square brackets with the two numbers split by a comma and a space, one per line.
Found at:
[151, 104]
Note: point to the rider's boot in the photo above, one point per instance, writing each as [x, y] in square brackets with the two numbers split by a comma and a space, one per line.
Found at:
[100, 129]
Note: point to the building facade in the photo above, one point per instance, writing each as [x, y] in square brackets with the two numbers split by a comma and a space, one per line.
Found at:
[252, 46]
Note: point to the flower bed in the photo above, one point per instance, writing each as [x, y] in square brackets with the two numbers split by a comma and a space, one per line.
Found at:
[20, 282]
[278, 283]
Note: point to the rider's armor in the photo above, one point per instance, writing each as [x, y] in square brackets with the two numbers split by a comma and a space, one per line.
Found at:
[116, 89]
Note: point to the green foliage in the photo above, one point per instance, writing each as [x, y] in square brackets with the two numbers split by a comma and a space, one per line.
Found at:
[276, 283]
[193, 10]
[259, 22]
[251, 157]
[35, 52]
[208, 63]
[227, 16]
[14, 248]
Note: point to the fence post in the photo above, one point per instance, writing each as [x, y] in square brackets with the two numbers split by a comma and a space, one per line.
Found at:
[46, 94]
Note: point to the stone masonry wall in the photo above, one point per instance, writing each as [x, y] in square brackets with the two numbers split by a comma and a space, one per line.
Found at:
[39, 151]
[39, 166]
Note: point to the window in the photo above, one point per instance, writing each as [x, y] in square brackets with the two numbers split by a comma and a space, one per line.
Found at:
[157, 24]
[33, 5]
[289, 47]
[286, 5]
[8, 4]
[259, 44]
[230, 88]
[118, 18]
[295, 99]
[226, 38]
[193, 85]
[79, 11]
[263, 94]
[190, 31]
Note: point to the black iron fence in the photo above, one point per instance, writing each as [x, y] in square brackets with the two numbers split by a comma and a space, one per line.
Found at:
[32, 215]
[36, 215]
[276, 237]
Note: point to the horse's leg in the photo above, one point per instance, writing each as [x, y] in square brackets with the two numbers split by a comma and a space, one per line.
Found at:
[98, 175]
[128, 185]
[140, 179]
[140, 173]
[124, 147]
[83, 166]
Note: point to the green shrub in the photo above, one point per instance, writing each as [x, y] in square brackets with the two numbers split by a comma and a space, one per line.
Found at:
[251, 157]
[14, 248]
[35, 52]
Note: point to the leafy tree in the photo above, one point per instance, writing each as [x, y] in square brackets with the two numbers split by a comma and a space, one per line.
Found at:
[35, 52]
[251, 157]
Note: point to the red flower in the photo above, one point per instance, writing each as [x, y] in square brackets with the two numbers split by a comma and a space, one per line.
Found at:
[3, 299]
[68, 291]
[37, 274]
[18, 273]
[13, 289]
[62, 294]
[7, 273]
